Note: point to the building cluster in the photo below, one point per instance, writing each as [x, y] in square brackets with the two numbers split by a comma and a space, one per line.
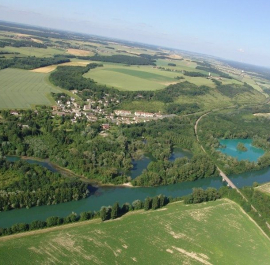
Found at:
[127, 117]
[99, 110]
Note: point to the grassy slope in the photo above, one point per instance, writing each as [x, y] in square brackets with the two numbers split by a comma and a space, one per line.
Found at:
[210, 233]
[21, 89]
[265, 188]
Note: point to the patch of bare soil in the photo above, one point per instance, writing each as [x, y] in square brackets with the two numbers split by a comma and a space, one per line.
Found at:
[195, 256]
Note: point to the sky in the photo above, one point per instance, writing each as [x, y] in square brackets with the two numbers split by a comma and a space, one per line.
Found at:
[237, 30]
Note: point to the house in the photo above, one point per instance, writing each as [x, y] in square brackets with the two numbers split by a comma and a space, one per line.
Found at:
[143, 114]
[105, 126]
[87, 107]
[122, 112]
[15, 113]
[91, 117]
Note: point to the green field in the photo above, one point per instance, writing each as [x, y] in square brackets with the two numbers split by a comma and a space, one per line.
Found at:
[21, 89]
[210, 233]
[264, 188]
[143, 105]
[133, 78]
[32, 51]
[137, 78]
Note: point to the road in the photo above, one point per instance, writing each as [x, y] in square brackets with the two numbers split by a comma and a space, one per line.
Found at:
[221, 173]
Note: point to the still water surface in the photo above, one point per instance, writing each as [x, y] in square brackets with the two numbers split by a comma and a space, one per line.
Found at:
[252, 154]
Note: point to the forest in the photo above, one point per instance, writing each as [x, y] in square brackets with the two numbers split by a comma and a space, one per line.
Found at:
[194, 74]
[26, 185]
[30, 63]
[80, 148]
[21, 43]
[210, 69]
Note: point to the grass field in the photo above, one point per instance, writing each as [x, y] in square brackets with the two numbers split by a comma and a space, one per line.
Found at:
[143, 105]
[133, 78]
[136, 78]
[21, 89]
[264, 188]
[32, 51]
[210, 233]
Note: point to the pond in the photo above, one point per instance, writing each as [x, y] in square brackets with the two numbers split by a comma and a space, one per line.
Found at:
[252, 154]
[140, 165]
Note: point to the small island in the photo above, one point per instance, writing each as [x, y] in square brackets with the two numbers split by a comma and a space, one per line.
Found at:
[241, 147]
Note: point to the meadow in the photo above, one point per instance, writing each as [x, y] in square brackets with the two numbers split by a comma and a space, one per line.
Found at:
[210, 233]
[264, 188]
[22, 89]
[131, 78]
[138, 78]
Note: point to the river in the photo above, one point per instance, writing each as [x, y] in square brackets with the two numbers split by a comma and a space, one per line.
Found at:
[104, 196]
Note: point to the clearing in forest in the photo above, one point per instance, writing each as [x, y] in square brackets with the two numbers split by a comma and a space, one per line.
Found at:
[210, 233]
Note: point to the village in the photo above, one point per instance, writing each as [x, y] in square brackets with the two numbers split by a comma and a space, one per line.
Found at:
[100, 110]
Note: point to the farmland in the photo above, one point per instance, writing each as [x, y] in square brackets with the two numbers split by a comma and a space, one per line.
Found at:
[177, 234]
[137, 78]
[265, 188]
[133, 78]
[21, 89]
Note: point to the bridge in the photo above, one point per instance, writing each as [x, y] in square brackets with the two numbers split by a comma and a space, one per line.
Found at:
[221, 173]
[225, 178]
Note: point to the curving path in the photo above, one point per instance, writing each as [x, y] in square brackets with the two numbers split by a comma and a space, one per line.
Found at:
[221, 173]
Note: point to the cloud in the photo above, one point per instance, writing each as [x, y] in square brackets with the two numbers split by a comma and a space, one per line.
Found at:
[241, 50]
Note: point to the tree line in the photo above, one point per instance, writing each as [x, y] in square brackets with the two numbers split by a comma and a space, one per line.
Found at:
[31, 62]
[124, 59]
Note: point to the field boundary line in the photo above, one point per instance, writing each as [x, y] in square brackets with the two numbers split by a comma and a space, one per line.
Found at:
[48, 229]
[250, 218]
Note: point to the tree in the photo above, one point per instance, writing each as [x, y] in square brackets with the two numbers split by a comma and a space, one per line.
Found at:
[115, 211]
[37, 225]
[53, 221]
[212, 194]
[199, 195]
[161, 200]
[137, 204]
[147, 204]
[126, 208]
[86, 216]
[103, 213]
[71, 218]
[155, 203]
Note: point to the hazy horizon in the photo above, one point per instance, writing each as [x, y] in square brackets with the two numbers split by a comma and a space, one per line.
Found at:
[236, 32]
